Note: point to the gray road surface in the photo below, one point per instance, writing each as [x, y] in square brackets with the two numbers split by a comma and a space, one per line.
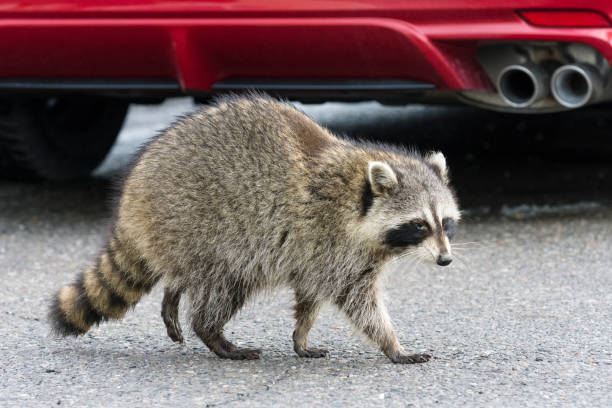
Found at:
[523, 318]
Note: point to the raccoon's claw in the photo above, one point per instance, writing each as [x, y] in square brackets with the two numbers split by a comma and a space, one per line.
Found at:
[313, 352]
[310, 352]
[175, 333]
[173, 327]
[411, 358]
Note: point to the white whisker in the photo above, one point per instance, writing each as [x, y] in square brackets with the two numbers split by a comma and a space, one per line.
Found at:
[467, 243]
[462, 262]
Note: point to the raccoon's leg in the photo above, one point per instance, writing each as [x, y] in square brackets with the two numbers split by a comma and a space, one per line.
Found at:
[211, 333]
[369, 314]
[169, 312]
[306, 312]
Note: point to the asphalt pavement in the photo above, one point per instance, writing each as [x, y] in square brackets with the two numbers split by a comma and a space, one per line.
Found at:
[522, 318]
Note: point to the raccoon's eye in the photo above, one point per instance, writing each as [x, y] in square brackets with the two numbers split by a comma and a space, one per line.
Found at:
[420, 226]
[450, 227]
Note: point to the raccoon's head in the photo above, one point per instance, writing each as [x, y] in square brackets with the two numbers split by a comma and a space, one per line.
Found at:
[410, 208]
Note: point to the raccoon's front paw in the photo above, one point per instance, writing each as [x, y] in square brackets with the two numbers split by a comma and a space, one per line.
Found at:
[410, 358]
[312, 352]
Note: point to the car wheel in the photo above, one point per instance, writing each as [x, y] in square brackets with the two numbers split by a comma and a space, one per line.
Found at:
[57, 138]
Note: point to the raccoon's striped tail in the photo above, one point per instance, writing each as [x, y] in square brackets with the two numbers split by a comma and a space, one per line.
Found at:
[104, 291]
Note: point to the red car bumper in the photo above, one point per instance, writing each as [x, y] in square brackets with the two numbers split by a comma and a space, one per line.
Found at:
[201, 46]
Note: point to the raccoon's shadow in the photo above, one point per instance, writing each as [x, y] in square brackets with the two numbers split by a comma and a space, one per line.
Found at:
[198, 356]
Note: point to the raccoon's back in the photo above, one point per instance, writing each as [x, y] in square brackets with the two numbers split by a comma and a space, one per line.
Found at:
[219, 181]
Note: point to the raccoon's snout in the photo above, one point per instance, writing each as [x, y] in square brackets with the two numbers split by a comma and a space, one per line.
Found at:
[444, 259]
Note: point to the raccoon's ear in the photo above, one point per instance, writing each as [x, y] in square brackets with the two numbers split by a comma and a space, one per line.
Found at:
[438, 162]
[381, 177]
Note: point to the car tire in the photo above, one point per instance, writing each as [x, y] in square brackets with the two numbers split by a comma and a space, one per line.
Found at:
[57, 138]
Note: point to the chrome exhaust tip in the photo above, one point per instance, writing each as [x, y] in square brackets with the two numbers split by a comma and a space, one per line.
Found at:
[576, 85]
[522, 85]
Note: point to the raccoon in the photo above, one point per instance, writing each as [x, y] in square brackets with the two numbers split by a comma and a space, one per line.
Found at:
[250, 194]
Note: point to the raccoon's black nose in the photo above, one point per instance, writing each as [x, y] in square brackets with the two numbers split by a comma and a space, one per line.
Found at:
[444, 260]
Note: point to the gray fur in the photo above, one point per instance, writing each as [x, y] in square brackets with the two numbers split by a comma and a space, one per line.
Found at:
[249, 194]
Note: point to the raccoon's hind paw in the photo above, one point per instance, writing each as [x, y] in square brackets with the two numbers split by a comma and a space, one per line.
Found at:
[312, 352]
[411, 358]
[174, 330]
[239, 353]
[169, 313]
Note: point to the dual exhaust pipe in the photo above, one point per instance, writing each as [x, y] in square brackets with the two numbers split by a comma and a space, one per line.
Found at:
[572, 85]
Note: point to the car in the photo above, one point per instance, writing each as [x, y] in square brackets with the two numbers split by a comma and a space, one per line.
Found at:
[70, 68]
